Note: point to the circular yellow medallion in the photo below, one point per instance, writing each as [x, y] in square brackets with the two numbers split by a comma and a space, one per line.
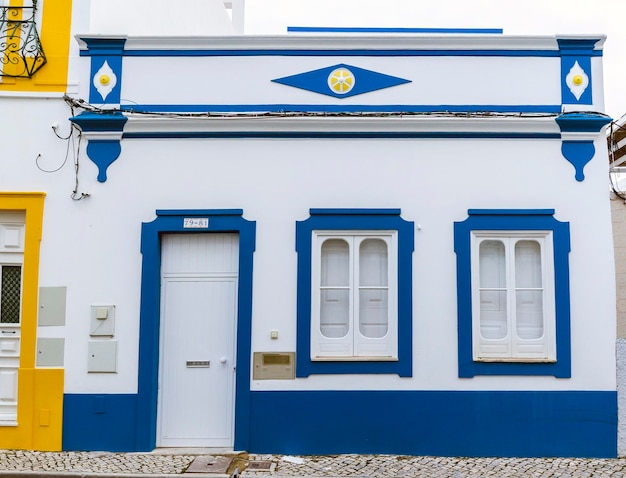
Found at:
[577, 80]
[104, 79]
[341, 81]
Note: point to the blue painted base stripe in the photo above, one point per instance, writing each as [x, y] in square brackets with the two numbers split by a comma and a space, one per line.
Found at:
[99, 422]
[443, 423]
[339, 108]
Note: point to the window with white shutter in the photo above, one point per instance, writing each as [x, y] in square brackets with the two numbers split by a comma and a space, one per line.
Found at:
[354, 292]
[513, 293]
[512, 296]
[354, 295]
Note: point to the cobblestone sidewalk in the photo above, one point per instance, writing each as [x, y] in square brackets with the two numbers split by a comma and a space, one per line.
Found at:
[354, 466]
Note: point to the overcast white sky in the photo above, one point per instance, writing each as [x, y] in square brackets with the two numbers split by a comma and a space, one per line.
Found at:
[516, 17]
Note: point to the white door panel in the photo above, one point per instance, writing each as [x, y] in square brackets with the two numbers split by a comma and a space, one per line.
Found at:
[199, 298]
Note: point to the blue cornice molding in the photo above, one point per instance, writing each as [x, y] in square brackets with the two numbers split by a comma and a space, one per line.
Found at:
[89, 121]
[578, 46]
[103, 132]
[582, 122]
[99, 46]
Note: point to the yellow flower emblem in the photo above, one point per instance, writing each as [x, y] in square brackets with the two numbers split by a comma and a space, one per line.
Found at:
[341, 81]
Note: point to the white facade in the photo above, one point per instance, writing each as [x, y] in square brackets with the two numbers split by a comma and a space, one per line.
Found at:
[443, 130]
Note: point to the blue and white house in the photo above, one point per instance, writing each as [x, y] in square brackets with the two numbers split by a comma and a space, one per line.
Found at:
[320, 243]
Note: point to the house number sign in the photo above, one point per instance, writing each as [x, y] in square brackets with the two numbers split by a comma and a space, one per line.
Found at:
[195, 222]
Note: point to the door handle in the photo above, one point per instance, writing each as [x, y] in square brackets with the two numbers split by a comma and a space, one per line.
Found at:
[222, 359]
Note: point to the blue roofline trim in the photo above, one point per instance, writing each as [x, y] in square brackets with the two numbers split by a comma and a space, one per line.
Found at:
[337, 108]
[343, 53]
[507, 220]
[480, 31]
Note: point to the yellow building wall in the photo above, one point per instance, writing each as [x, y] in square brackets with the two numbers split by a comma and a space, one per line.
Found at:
[40, 391]
[54, 32]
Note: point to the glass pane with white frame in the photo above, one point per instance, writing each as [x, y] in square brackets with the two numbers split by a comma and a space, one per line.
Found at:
[528, 290]
[493, 290]
[373, 288]
[335, 288]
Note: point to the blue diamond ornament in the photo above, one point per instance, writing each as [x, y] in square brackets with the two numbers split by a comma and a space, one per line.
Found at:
[341, 81]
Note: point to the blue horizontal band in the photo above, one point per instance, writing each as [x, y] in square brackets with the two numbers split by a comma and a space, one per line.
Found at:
[394, 30]
[344, 53]
[339, 108]
[337, 135]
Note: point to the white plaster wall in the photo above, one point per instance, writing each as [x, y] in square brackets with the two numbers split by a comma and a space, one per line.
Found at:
[434, 80]
[92, 246]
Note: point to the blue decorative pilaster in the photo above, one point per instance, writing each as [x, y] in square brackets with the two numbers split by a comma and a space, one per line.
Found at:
[106, 69]
[103, 132]
[576, 78]
[578, 131]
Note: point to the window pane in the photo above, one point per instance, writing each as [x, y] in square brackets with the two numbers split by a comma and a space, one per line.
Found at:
[529, 305]
[10, 297]
[492, 264]
[335, 263]
[334, 313]
[373, 263]
[527, 264]
[373, 316]
[493, 322]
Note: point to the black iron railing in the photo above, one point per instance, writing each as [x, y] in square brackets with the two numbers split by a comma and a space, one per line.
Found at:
[21, 53]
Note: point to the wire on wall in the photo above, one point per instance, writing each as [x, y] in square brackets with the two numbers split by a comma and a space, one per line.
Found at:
[73, 146]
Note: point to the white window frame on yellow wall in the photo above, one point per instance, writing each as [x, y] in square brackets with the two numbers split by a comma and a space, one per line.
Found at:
[354, 309]
[513, 301]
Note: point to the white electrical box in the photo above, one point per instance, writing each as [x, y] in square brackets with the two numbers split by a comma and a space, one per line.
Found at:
[102, 356]
[102, 321]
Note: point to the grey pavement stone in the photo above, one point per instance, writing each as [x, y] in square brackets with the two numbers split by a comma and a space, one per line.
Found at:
[160, 464]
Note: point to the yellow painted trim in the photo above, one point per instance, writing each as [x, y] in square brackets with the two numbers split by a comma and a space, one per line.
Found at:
[55, 35]
[40, 391]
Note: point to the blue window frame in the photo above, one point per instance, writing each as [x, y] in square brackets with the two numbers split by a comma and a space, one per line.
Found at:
[351, 221]
[513, 223]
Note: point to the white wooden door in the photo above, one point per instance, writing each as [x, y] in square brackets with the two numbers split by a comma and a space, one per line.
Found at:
[197, 360]
[11, 260]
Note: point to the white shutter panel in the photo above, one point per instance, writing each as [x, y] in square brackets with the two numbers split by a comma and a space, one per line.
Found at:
[492, 317]
[529, 340]
[332, 304]
[375, 317]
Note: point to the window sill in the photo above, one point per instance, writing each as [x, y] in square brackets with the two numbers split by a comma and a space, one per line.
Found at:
[354, 359]
[513, 360]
